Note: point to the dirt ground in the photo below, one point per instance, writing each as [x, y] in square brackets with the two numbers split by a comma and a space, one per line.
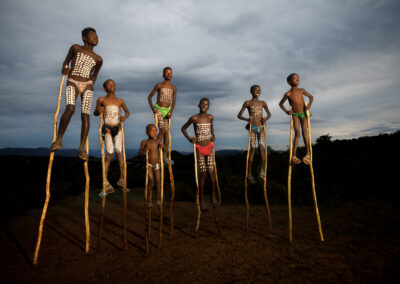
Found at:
[361, 245]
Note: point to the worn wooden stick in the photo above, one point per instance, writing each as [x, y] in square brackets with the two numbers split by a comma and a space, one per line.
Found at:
[87, 224]
[49, 168]
[172, 183]
[198, 189]
[103, 166]
[216, 178]
[161, 197]
[125, 184]
[265, 183]
[312, 178]
[146, 208]
[245, 183]
[219, 194]
[290, 178]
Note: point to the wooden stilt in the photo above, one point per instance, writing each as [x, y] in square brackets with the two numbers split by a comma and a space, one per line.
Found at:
[265, 182]
[146, 208]
[198, 189]
[245, 183]
[125, 184]
[172, 183]
[219, 193]
[103, 200]
[49, 168]
[290, 178]
[312, 178]
[87, 177]
[161, 197]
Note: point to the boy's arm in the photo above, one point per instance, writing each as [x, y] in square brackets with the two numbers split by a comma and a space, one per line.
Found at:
[143, 147]
[240, 115]
[212, 129]
[310, 98]
[97, 70]
[184, 127]
[99, 108]
[173, 103]
[264, 119]
[68, 58]
[281, 104]
[126, 110]
[150, 98]
[160, 135]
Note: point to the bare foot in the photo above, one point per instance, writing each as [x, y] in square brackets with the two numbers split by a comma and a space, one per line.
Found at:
[158, 203]
[109, 188]
[150, 204]
[307, 159]
[56, 146]
[295, 160]
[251, 179]
[83, 155]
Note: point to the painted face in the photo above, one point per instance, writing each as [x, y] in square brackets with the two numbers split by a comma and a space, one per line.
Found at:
[91, 38]
[152, 132]
[110, 86]
[168, 74]
[204, 105]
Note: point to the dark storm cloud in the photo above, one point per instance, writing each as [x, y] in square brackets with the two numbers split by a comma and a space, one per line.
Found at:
[346, 53]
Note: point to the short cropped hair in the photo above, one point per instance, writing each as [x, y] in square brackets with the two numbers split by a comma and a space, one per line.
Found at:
[166, 68]
[253, 87]
[105, 82]
[149, 126]
[86, 31]
[290, 77]
[204, 99]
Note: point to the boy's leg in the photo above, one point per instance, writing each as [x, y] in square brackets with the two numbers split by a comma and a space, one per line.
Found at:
[202, 179]
[306, 139]
[211, 175]
[296, 127]
[157, 177]
[261, 142]
[70, 97]
[164, 124]
[85, 115]
[150, 186]
[118, 153]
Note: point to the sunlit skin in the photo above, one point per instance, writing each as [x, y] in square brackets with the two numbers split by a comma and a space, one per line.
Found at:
[296, 101]
[202, 117]
[90, 41]
[102, 102]
[256, 121]
[168, 75]
[152, 145]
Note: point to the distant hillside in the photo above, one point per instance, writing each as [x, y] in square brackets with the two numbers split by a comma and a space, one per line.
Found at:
[42, 151]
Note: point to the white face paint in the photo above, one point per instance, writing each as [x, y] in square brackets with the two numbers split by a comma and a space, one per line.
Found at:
[255, 111]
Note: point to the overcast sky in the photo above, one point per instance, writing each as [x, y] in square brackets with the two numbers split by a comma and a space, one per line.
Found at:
[347, 54]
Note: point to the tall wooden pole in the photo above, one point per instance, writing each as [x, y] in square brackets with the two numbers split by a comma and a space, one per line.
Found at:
[172, 183]
[146, 208]
[265, 182]
[103, 190]
[161, 197]
[312, 177]
[290, 178]
[49, 168]
[87, 177]
[198, 189]
[125, 184]
[245, 183]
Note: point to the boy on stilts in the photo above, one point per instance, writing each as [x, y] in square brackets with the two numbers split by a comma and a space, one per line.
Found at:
[111, 106]
[299, 115]
[256, 121]
[85, 66]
